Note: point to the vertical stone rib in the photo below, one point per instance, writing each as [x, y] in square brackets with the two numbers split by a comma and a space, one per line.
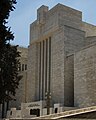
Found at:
[49, 64]
[46, 57]
[38, 70]
[42, 69]
[25, 88]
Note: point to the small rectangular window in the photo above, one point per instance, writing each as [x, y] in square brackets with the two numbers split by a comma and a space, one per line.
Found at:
[25, 66]
[22, 67]
[11, 113]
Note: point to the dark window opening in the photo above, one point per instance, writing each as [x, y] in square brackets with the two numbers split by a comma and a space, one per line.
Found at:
[49, 63]
[38, 112]
[22, 67]
[31, 112]
[46, 57]
[43, 71]
[25, 66]
[35, 112]
[11, 113]
[40, 72]
[56, 110]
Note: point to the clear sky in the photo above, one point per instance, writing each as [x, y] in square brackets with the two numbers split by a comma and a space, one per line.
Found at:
[26, 12]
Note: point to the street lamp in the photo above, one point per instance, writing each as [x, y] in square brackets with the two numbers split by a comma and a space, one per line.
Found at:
[48, 98]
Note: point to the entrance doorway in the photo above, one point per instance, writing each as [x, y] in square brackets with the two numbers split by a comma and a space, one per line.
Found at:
[35, 112]
[56, 110]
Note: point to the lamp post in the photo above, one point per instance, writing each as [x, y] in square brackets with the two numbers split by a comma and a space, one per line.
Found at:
[48, 98]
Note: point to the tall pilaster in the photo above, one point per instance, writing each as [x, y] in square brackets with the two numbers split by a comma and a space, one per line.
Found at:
[32, 72]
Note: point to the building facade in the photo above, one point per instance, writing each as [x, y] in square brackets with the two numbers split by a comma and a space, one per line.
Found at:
[55, 39]
[20, 96]
[61, 59]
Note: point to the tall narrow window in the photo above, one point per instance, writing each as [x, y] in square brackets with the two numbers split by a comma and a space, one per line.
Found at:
[49, 63]
[11, 113]
[22, 67]
[46, 66]
[31, 112]
[25, 66]
[40, 72]
[43, 71]
[56, 110]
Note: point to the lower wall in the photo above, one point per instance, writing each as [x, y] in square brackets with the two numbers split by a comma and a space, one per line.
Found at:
[69, 81]
[85, 77]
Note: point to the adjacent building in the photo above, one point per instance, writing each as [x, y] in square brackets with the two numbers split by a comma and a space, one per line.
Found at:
[21, 91]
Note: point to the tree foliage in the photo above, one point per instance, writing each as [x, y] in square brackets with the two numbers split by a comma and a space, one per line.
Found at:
[9, 56]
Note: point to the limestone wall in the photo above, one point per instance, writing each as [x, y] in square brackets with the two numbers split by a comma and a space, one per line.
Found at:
[73, 39]
[58, 16]
[62, 24]
[89, 29]
[69, 81]
[85, 77]
[91, 40]
[39, 31]
[57, 83]
[21, 90]
[20, 93]
[69, 16]
[32, 68]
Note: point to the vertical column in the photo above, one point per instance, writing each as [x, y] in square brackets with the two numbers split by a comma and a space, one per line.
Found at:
[31, 79]
[38, 72]
[25, 88]
[46, 64]
[44, 90]
[49, 82]
[39, 69]
[43, 69]
[36, 75]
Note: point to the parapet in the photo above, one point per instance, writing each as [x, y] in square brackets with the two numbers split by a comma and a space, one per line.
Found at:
[49, 21]
[41, 14]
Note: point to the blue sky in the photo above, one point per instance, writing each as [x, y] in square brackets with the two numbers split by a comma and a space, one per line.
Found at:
[26, 12]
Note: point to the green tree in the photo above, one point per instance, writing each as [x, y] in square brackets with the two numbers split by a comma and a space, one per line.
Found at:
[9, 56]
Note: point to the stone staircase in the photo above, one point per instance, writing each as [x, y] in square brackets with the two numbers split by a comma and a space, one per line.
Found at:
[69, 113]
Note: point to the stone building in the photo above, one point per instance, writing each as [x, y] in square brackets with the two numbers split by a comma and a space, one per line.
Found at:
[60, 45]
[20, 96]
[21, 91]
[61, 58]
